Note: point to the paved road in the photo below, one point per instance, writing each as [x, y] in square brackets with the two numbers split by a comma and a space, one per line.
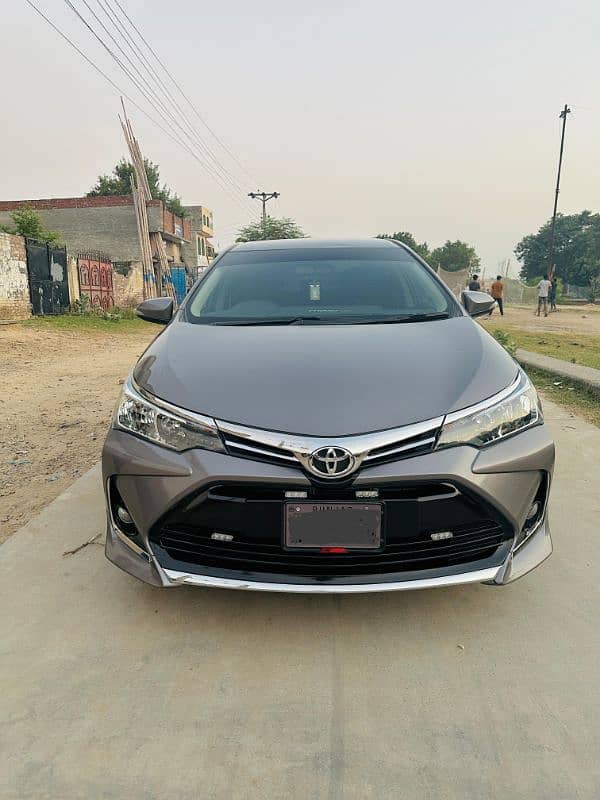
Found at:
[112, 689]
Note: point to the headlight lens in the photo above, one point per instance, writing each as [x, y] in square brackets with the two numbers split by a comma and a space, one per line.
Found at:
[138, 415]
[489, 423]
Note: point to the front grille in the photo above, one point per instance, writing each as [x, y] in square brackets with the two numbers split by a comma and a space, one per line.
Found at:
[253, 516]
[369, 449]
[246, 448]
[416, 445]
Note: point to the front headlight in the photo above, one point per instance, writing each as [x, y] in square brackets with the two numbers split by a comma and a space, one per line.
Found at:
[163, 424]
[494, 419]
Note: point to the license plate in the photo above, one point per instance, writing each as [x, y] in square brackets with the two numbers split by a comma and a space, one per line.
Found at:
[352, 526]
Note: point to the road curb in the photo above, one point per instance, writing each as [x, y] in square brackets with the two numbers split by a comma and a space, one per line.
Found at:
[586, 377]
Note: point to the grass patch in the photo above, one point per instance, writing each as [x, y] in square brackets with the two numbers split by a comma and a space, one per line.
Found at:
[85, 322]
[574, 398]
[577, 348]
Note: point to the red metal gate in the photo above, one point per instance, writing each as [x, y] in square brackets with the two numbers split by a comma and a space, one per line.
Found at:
[96, 279]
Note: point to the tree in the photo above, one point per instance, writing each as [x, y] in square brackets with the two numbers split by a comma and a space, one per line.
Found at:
[576, 249]
[119, 183]
[27, 222]
[421, 249]
[272, 228]
[454, 256]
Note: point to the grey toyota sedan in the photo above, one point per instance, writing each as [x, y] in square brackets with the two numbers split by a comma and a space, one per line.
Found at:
[325, 416]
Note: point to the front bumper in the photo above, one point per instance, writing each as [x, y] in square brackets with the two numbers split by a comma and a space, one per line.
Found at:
[153, 480]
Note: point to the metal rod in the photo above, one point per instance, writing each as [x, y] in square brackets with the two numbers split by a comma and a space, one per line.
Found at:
[563, 115]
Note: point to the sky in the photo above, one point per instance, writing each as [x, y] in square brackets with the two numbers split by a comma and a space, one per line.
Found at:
[437, 118]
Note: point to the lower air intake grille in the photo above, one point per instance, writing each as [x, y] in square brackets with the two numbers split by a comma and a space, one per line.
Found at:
[198, 548]
[425, 526]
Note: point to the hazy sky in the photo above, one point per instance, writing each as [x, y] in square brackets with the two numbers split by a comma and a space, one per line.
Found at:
[439, 118]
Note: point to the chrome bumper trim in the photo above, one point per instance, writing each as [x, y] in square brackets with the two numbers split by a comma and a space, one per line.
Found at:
[191, 579]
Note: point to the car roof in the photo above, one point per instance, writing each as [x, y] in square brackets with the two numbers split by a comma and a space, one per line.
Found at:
[305, 244]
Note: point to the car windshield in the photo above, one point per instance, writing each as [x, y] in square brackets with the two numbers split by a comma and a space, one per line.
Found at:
[319, 285]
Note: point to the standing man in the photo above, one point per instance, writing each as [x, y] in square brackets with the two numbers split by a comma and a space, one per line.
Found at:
[543, 291]
[552, 294]
[474, 285]
[497, 290]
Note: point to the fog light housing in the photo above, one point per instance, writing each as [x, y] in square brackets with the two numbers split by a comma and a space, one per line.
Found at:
[533, 512]
[122, 519]
[124, 515]
[536, 511]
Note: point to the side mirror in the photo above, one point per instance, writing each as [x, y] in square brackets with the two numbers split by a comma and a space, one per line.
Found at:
[158, 309]
[477, 303]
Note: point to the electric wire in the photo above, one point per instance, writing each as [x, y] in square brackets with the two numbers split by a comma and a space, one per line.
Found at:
[119, 89]
[182, 93]
[152, 87]
[168, 118]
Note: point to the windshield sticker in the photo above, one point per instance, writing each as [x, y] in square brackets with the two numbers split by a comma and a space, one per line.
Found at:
[314, 291]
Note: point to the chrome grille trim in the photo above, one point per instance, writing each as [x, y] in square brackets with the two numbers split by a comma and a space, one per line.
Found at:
[256, 450]
[395, 450]
[367, 449]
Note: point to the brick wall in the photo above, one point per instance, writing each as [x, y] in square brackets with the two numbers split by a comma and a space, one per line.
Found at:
[111, 228]
[105, 224]
[176, 226]
[72, 202]
[14, 281]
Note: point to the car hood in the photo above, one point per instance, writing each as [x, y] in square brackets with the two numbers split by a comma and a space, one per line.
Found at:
[325, 380]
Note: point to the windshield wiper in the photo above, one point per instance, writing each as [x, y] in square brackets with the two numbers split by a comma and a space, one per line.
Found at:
[335, 321]
[270, 321]
[405, 318]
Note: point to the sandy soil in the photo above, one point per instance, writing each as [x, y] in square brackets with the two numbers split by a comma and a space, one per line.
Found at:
[583, 319]
[58, 392]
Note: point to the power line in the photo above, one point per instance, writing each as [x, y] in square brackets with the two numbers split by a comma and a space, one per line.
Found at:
[181, 92]
[160, 108]
[168, 117]
[157, 81]
[109, 80]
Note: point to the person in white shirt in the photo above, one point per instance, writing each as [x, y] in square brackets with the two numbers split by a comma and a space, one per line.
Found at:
[543, 290]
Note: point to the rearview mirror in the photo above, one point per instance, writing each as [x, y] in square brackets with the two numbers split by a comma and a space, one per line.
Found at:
[158, 309]
[477, 303]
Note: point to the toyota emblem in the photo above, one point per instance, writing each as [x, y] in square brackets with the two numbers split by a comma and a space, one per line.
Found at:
[331, 462]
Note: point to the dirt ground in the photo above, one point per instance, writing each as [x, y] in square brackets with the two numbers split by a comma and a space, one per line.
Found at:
[583, 319]
[58, 392]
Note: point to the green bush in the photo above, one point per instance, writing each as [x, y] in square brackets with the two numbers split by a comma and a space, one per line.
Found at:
[504, 339]
[84, 308]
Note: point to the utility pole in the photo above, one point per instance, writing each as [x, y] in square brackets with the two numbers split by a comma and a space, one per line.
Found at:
[563, 115]
[264, 197]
